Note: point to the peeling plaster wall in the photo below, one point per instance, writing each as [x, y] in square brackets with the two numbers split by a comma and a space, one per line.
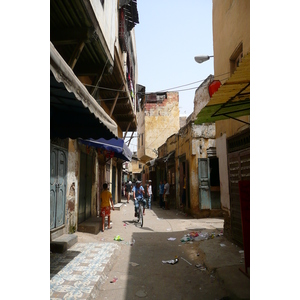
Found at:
[161, 121]
[158, 121]
[193, 142]
[72, 185]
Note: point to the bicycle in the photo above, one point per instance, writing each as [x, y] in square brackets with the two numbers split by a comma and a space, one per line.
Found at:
[140, 215]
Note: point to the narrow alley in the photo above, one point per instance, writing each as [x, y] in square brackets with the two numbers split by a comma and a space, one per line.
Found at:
[134, 268]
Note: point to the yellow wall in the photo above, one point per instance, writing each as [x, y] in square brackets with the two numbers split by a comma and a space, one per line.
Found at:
[231, 26]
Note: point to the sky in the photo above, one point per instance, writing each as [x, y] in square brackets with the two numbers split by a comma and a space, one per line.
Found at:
[169, 35]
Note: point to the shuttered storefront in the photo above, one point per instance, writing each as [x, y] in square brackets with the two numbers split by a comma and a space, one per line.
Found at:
[238, 148]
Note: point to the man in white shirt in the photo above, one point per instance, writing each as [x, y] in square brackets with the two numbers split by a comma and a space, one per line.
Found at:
[166, 194]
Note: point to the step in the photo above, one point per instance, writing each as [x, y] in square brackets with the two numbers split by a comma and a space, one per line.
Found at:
[92, 225]
[63, 243]
[118, 206]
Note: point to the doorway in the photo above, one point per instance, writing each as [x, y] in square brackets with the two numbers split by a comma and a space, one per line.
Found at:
[85, 187]
[58, 169]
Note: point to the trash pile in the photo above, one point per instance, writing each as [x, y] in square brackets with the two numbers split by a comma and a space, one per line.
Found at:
[199, 236]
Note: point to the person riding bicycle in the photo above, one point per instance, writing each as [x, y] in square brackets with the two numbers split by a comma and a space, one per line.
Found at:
[138, 193]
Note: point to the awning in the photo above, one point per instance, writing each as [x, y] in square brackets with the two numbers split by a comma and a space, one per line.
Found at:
[232, 99]
[74, 113]
[117, 146]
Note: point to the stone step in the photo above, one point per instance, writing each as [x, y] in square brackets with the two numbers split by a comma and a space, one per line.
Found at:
[92, 225]
[118, 206]
[63, 243]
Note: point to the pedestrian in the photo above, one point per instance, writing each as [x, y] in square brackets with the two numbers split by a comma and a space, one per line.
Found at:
[166, 194]
[138, 193]
[146, 195]
[149, 193]
[106, 197]
[161, 195]
[128, 190]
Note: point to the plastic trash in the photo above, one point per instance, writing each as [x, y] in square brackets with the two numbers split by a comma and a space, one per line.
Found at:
[171, 239]
[132, 242]
[114, 280]
[118, 238]
[171, 261]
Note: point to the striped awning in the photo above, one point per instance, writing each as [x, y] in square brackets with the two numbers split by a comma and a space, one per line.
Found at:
[232, 99]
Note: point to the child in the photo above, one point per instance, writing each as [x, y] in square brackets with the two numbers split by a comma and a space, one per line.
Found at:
[106, 196]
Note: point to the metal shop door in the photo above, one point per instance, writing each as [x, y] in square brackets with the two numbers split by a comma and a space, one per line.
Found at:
[239, 169]
[204, 182]
[58, 168]
[85, 187]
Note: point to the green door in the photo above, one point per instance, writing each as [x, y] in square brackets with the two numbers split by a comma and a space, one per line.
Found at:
[204, 183]
[58, 167]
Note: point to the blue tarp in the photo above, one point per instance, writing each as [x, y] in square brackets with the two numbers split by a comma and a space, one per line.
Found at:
[118, 146]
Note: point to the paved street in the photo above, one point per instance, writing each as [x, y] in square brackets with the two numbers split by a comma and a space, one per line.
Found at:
[133, 268]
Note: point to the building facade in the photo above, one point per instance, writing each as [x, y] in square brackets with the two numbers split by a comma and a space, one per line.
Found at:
[229, 107]
[158, 118]
[93, 73]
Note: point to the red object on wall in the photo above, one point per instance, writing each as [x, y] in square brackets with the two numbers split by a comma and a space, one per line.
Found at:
[213, 87]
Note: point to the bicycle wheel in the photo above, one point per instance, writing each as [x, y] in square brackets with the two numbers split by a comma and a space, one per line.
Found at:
[141, 219]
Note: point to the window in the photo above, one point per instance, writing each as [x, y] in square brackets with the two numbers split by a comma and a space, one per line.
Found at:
[236, 58]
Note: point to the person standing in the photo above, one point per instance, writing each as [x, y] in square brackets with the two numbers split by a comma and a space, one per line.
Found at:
[128, 190]
[161, 195]
[106, 197]
[166, 194]
[146, 195]
[149, 193]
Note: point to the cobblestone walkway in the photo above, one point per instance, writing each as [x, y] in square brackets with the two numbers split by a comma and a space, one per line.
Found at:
[75, 273]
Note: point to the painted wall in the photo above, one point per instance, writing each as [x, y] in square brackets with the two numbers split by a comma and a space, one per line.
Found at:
[106, 16]
[231, 29]
[231, 26]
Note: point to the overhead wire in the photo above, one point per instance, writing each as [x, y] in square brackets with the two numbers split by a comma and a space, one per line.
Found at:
[161, 91]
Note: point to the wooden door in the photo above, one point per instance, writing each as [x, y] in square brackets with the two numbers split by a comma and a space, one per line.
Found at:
[85, 187]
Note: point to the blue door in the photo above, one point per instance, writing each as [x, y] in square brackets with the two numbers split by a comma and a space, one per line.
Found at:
[58, 167]
[204, 188]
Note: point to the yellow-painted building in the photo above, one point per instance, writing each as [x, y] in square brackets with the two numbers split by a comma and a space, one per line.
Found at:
[229, 106]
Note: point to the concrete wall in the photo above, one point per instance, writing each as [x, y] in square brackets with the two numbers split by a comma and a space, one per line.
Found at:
[231, 26]
[107, 18]
[158, 121]
[231, 29]
[201, 96]
[190, 143]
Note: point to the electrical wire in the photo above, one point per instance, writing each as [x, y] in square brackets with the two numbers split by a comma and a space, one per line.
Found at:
[161, 91]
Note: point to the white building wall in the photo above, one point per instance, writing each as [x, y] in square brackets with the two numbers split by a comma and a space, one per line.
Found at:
[106, 17]
[223, 171]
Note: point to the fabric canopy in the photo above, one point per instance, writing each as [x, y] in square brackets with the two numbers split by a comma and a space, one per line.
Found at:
[117, 146]
[74, 113]
[232, 99]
